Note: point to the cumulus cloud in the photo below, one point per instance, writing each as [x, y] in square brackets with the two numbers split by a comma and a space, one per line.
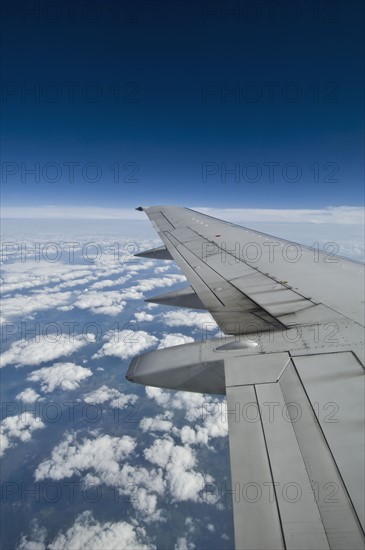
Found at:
[182, 543]
[116, 398]
[136, 292]
[36, 540]
[178, 462]
[107, 303]
[71, 457]
[21, 305]
[169, 280]
[160, 396]
[66, 376]
[31, 274]
[36, 351]
[103, 459]
[194, 319]
[28, 396]
[142, 265]
[151, 305]
[143, 316]
[90, 534]
[19, 427]
[162, 269]
[189, 524]
[126, 343]
[207, 413]
[110, 282]
[65, 308]
[160, 423]
[76, 282]
[175, 339]
[131, 293]
[53, 278]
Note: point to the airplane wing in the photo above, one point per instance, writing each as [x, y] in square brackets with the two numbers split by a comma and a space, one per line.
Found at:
[291, 366]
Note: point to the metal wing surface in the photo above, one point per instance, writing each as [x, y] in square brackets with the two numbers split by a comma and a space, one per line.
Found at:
[292, 369]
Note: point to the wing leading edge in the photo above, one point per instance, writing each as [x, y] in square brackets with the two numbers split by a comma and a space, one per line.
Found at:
[292, 369]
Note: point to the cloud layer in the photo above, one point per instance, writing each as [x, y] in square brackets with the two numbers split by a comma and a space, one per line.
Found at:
[19, 427]
[66, 376]
[126, 343]
[330, 214]
[36, 351]
[91, 534]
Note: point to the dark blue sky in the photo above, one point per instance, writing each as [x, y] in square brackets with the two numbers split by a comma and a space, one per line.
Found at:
[247, 104]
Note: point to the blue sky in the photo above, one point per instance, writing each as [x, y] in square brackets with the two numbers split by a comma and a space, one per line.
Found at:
[183, 102]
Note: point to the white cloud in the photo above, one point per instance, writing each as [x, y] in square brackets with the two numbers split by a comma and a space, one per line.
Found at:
[208, 413]
[101, 395]
[20, 305]
[110, 282]
[76, 282]
[175, 339]
[107, 303]
[161, 423]
[36, 540]
[143, 316]
[135, 292]
[71, 457]
[162, 268]
[70, 212]
[202, 434]
[178, 462]
[160, 396]
[131, 293]
[189, 524]
[36, 351]
[66, 376]
[21, 275]
[169, 280]
[89, 534]
[331, 214]
[116, 398]
[19, 427]
[183, 544]
[151, 305]
[126, 343]
[142, 265]
[28, 396]
[179, 317]
[103, 459]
